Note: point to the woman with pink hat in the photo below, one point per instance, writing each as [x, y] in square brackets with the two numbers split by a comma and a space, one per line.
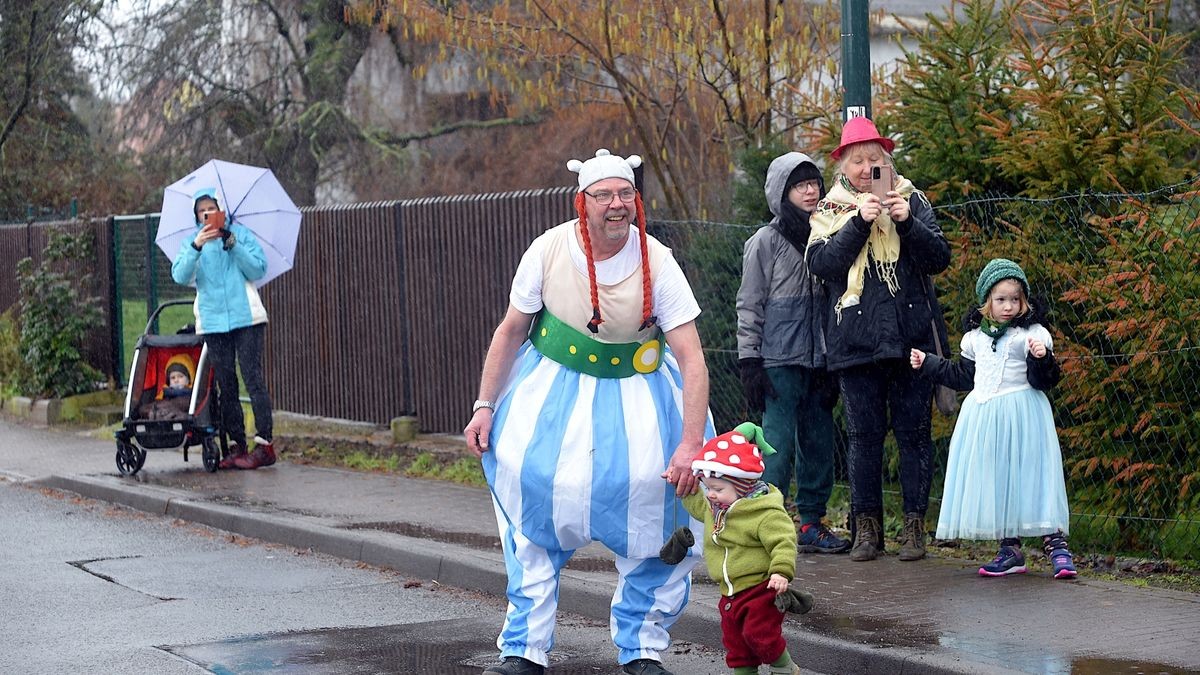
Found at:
[875, 252]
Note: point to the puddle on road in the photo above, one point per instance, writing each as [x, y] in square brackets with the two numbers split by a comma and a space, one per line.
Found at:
[451, 647]
[1089, 666]
[872, 630]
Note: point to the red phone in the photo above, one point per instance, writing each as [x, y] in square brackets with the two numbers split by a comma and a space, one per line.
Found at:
[214, 220]
[882, 181]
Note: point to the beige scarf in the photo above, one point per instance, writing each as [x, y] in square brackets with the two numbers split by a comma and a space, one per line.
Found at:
[883, 244]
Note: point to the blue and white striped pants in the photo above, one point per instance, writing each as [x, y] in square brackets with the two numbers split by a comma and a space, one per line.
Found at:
[576, 459]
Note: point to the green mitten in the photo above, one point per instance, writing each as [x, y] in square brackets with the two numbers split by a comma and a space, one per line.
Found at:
[675, 550]
[796, 602]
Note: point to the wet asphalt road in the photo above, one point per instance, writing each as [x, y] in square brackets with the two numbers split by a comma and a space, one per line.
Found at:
[95, 588]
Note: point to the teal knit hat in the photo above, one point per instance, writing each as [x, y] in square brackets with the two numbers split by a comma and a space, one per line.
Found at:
[997, 270]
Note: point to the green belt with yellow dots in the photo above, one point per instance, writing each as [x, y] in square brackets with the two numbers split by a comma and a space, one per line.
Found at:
[580, 352]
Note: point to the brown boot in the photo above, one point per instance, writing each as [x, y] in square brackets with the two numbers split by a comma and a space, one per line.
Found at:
[866, 535]
[232, 452]
[912, 537]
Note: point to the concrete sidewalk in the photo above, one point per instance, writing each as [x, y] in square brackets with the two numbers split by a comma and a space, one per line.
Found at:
[932, 616]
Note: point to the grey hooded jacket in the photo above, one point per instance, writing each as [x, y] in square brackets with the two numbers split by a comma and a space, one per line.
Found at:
[780, 306]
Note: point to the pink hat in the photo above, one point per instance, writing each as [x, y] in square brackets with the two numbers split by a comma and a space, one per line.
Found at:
[861, 130]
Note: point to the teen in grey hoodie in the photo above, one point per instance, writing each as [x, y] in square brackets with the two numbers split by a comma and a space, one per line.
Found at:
[781, 348]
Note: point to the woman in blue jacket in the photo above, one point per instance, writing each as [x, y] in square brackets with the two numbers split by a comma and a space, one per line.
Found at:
[224, 260]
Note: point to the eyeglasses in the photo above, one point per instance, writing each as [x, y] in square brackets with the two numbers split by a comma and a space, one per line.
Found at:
[604, 198]
[806, 185]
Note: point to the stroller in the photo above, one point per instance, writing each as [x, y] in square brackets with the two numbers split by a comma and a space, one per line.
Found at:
[159, 416]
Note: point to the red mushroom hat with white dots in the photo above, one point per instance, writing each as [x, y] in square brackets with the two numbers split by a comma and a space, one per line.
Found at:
[738, 453]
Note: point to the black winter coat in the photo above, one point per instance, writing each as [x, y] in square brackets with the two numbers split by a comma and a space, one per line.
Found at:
[883, 326]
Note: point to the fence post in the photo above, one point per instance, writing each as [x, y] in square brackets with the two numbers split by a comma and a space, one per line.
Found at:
[406, 369]
[114, 302]
[151, 282]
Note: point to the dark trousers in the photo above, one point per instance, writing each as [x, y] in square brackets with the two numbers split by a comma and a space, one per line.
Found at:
[799, 425]
[873, 396]
[241, 348]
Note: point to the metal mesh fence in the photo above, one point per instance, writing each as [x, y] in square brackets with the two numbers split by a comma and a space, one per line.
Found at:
[1119, 274]
[142, 280]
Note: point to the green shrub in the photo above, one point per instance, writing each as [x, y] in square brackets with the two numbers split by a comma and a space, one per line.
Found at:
[56, 317]
[11, 365]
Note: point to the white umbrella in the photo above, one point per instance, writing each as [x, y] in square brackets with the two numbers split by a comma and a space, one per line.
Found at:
[249, 195]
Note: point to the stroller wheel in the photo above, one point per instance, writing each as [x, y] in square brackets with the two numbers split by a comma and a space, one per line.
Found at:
[129, 458]
[211, 454]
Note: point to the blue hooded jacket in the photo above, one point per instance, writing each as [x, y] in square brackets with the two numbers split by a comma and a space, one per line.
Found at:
[225, 295]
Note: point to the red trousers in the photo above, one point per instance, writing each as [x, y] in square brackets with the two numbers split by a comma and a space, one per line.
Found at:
[751, 627]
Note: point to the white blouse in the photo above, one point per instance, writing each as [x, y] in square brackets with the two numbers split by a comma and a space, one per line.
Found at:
[1001, 371]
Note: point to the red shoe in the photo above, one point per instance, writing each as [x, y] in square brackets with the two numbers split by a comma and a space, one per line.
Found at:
[263, 455]
[232, 453]
[268, 446]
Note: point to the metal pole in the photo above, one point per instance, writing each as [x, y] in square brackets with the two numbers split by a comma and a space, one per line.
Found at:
[116, 321]
[856, 59]
[151, 281]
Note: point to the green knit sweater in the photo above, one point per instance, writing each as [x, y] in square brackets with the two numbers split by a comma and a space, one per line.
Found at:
[758, 540]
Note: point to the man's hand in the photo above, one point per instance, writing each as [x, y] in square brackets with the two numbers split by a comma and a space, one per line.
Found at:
[679, 470]
[478, 430]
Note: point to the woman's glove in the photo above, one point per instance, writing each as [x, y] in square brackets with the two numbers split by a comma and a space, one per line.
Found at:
[755, 384]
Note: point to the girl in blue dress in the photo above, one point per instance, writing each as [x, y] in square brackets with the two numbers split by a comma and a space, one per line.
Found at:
[1004, 477]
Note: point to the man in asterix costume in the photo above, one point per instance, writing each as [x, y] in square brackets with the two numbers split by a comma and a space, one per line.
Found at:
[583, 411]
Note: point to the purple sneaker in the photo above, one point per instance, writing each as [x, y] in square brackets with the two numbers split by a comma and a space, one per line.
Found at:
[1009, 560]
[1064, 568]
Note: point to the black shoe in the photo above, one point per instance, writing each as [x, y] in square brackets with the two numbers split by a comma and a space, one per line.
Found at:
[645, 667]
[515, 665]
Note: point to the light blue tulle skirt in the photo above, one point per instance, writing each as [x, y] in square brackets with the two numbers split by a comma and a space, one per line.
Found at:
[1004, 477]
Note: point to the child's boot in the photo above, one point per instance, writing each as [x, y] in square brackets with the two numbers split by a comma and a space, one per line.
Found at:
[867, 536]
[784, 665]
[912, 537]
[1056, 548]
[1010, 560]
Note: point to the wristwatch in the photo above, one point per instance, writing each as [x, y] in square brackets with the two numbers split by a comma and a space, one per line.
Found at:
[480, 403]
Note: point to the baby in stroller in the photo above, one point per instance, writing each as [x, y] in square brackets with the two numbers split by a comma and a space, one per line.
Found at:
[170, 399]
[176, 394]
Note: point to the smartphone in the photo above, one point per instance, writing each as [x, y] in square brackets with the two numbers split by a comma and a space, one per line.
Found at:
[214, 220]
[881, 181]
